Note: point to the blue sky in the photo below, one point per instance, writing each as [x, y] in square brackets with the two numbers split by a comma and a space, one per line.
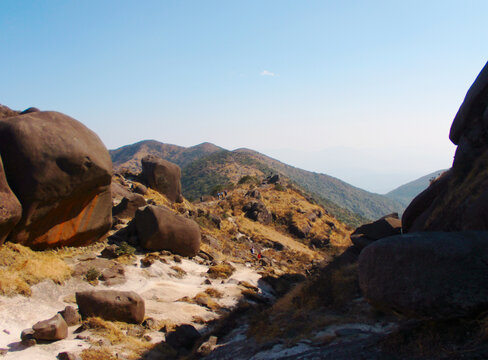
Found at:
[362, 90]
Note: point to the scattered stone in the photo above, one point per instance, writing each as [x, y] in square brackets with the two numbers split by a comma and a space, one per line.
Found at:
[147, 261]
[128, 206]
[184, 336]
[208, 346]
[254, 194]
[140, 189]
[3, 351]
[149, 323]
[110, 252]
[71, 316]
[176, 259]
[160, 229]
[68, 356]
[137, 331]
[247, 285]
[113, 305]
[272, 179]
[257, 211]
[54, 328]
[388, 225]
[6, 331]
[27, 334]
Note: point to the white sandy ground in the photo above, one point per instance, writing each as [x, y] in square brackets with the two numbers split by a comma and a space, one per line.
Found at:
[155, 284]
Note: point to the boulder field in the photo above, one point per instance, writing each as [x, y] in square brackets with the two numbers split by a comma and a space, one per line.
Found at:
[60, 172]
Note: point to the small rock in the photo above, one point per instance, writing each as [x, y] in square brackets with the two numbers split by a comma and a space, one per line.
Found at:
[3, 351]
[110, 252]
[68, 356]
[135, 332]
[208, 346]
[147, 261]
[207, 282]
[176, 259]
[27, 334]
[147, 338]
[70, 315]
[184, 336]
[149, 323]
[6, 331]
[54, 328]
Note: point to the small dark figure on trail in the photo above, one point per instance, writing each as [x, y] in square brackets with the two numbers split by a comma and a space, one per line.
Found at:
[259, 256]
[201, 198]
[225, 193]
[253, 251]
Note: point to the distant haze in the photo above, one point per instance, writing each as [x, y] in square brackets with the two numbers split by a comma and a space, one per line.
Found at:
[362, 90]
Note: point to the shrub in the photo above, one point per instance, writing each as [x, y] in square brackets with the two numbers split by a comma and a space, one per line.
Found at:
[248, 179]
[279, 187]
[92, 275]
[125, 249]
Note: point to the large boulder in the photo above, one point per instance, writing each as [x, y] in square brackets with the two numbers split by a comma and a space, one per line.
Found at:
[388, 225]
[126, 306]
[61, 172]
[431, 274]
[458, 200]
[10, 209]
[161, 229]
[162, 176]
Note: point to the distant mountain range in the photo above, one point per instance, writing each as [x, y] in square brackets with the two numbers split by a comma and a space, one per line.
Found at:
[206, 165]
[406, 193]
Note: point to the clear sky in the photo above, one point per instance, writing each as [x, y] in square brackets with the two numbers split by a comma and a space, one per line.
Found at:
[362, 90]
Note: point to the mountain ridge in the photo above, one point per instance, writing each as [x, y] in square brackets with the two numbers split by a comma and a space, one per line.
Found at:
[206, 165]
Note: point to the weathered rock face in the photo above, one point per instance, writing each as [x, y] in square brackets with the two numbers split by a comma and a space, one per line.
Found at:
[10, 209]
[388, 225]
[61, 172]
[162, 176]
[459, 199]
[257, 211]
[431, 274]
[160, 229]
[54, 328]
[126, 306]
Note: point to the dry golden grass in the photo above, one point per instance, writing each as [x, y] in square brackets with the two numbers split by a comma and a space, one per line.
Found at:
[97, 354]
[20, 267]
[214, 293]
[221, 271]
[178, 272]
[114, 332]
[203, 299]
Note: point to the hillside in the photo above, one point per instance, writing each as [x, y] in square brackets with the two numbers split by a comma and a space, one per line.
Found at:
[129, 156]
[404, 194]
[206, 166]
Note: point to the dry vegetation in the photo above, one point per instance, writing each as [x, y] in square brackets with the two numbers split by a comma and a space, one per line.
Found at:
[21, 267]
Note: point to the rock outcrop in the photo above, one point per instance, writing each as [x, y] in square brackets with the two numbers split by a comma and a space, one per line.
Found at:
[160, 229]
[458, 200]
[10, 209]
[257, 211]
[126, 306]
[60, 172]
[431, 274]
[162, 176]
[388, 225]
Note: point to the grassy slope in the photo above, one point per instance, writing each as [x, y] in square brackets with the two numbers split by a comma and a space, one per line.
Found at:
[406, 193]
[205, 166]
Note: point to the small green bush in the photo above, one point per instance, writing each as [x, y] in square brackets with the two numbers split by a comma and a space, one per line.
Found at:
[125, 249]
[92, 274]
[279, 187]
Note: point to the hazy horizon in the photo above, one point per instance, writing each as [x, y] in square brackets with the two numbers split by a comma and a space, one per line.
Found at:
[363, 91]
